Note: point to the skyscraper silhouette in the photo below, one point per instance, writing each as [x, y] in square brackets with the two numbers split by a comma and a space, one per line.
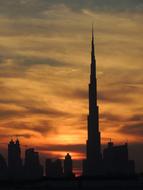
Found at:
[54, 168]
[3, 168]
[68, 166]
[14, 159]
[92, 164]
[115, 158]
[32, 167]
[49, 167]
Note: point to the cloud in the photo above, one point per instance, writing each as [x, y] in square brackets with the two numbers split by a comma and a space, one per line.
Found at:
[80, 93]
[24, 110]
[26, 8]
[111, 117]
[112, 97]
[111, 94]
[80, 148]
[6, 114]
[30, 61]
[136, 118]
[73, 93]
[26, 135]
[51, 112]
[133, 129]
[42, 127]
[17, 66]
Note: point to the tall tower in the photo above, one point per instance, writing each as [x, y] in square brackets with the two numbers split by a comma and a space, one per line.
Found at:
[92, 164]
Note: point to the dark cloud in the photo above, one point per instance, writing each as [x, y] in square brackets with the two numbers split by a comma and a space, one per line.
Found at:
[21, 64]
[109, 5]
[42, 127]
[35, 7]
[136, 118]
[80, 93]
[75, 94]
[25, 135]
[133, 129]
[111, 95]
[106, 116]
[28, 109]
[30, 61]
[111, 117]
[80, 148]
[7, 114]
[114, 96]
[30, 30]
[51, 111]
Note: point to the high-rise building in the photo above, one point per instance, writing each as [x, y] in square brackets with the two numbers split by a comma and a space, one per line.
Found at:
[68, 166]
[14, 159]
[54, 168]
[92, 165]
[116, 160]
[32, 166]
[49, 167]
[3, 168]
[57, 168]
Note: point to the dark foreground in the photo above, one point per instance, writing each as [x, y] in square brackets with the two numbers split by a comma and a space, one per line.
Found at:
[74, 184]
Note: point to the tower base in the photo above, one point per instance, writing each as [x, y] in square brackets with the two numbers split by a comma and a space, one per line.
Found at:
[92, 169]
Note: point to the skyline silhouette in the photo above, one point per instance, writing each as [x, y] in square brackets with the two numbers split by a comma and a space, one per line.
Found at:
[44, 75]
[71, 85]
[113, 161]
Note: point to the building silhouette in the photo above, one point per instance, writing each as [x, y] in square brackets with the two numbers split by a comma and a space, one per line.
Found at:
[57, 168]
[53, 168]
[48, 167]
[32, 167]
[3, 168]
[68, 166]
[93, 163]
[115, 159]
[15, 169]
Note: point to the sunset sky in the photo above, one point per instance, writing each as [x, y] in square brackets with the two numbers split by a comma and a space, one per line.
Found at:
[44, 73]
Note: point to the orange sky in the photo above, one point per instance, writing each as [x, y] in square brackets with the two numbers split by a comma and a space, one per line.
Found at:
[44, 75]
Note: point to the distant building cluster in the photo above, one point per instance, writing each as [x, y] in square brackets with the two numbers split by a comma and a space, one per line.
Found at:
[30, 167]
[54, 167]
[15, 168]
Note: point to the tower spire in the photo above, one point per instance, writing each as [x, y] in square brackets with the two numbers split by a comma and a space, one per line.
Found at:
[93, 60]
[93, 141]
[92, 37]
[93, 80]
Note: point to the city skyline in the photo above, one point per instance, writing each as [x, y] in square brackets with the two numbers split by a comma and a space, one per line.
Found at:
[112, 161]
[45, 58]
